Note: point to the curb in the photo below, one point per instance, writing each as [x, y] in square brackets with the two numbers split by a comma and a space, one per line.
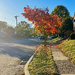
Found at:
[26, 66]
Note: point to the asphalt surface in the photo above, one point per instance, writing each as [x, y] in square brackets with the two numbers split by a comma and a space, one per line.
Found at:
[14, 54]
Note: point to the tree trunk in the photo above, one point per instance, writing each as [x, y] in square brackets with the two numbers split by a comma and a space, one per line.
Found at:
[45, 39]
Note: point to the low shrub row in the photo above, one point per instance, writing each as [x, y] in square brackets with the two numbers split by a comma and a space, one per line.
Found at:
[68, 47]
[42, 63]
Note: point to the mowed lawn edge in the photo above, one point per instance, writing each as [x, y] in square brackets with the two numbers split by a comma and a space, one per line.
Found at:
[68, 48]
[55, 40]
[42, 63]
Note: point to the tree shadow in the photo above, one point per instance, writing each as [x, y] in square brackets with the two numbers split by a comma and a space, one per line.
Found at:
[55, 43]
[19, 52]
[29, 42]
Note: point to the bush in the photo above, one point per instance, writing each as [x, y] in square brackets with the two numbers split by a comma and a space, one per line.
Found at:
[72, 36]
[67, 33]
[73, 61]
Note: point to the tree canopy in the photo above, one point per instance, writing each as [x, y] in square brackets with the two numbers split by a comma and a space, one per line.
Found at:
[24, 25]
[67, 25]
[3, 25]
[43, 21]
[61, 11]
[23, 29]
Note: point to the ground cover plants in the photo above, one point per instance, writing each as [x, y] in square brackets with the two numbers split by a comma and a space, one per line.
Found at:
[42, 63]
[55, 39]
[68, 48]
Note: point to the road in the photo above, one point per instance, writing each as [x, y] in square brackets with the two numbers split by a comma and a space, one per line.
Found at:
[14, 53]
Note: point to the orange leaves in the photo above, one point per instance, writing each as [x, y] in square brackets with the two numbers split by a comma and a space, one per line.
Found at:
[43, 21]
[23, 14]
[32, 22]
[24, 9]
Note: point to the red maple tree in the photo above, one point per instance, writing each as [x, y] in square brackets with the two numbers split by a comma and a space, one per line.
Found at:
[43, 21]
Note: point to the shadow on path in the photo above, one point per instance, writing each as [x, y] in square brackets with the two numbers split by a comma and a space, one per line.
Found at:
[63, 64]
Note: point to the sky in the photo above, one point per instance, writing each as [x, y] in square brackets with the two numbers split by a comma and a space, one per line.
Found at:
[11, 8]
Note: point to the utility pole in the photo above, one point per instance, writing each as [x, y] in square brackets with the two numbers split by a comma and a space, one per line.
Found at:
[16, 23]
[16, 19]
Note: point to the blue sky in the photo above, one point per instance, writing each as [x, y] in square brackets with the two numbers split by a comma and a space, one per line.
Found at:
[11, 8]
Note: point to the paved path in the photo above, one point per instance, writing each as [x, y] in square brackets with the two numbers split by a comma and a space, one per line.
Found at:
[14, 54]
[64, 66]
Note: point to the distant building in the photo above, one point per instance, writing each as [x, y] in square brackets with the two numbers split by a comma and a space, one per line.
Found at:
[74, 23]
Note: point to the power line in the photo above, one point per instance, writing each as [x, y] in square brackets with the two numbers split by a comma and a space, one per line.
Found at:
[6, 18]
[6, 10]
[3, 10]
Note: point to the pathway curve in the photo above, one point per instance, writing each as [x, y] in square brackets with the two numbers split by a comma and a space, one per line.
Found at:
[64, 65]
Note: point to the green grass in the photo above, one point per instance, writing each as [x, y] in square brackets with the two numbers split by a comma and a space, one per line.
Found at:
[42, 63]
[55, 39]
[68, 47]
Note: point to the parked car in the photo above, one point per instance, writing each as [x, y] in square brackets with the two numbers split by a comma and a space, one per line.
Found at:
[41, 37]
[54, 37]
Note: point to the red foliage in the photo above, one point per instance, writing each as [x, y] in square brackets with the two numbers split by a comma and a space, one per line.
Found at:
[44, 22]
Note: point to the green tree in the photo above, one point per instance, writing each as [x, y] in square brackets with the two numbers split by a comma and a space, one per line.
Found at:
[61, 11]
[10, 31]
[34, 32]
[3, 25]
[67, 25]
[7, 30]
[24, 24]
[23, 29]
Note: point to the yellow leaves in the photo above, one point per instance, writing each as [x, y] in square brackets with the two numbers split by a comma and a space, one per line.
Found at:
[45, 26]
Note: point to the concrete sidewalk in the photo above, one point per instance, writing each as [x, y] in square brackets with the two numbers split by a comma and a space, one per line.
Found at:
[64, 66]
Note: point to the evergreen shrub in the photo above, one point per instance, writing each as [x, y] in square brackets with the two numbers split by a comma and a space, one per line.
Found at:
[72, 36]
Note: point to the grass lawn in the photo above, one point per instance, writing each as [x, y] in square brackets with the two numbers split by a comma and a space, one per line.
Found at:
[68, 47]
[42, 63]
[55, 39]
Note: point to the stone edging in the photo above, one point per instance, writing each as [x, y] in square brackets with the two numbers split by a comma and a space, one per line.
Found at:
[26, 66]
